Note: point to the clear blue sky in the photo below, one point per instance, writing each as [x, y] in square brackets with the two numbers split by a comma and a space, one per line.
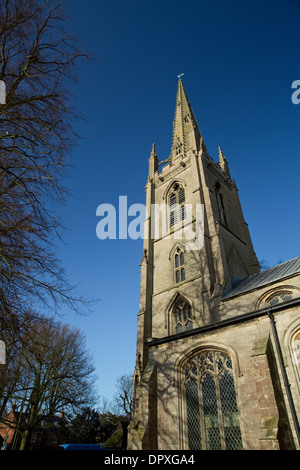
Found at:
[239, 60]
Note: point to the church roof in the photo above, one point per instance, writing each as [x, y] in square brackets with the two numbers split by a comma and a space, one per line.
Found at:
[277, 273]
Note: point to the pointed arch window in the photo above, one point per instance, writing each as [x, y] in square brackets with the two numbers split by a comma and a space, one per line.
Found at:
[221, 205]
[178, 147]
[177, 204]
[179, 266]
[296, 349]
[211, 405]
[182, 313]
[297, 343]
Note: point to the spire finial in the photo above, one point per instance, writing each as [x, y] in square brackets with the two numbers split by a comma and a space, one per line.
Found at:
[221, 155]
[223, 162]
[153, 151]
[153, 162]
[180, 75]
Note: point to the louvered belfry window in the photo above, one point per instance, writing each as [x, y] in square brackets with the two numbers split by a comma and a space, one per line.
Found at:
[212, 413]
[221, 205]
[177, 205]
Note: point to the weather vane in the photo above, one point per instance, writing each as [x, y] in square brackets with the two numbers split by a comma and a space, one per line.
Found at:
[180, 75]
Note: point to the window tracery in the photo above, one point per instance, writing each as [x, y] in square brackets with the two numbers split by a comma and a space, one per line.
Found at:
[182, 315]
[211, 404]
[279, 297]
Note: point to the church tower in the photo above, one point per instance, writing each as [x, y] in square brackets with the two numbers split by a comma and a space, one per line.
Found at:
[197, 247]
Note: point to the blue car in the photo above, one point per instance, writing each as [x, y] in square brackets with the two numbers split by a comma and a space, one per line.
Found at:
[82, 447]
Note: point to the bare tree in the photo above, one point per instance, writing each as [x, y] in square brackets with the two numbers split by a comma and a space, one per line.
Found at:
[38, 62]
[13, 372]
[57, 374]
[123, 396]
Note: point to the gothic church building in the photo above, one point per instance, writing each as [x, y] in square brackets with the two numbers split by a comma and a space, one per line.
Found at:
[218, 340]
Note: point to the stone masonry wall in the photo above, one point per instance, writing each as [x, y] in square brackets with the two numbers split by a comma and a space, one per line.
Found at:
[261, 402]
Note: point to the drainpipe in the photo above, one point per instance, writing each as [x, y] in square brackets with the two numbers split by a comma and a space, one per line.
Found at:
[284, 375]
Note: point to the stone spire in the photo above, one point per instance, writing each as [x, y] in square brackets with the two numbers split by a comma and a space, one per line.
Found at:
[186, 135]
